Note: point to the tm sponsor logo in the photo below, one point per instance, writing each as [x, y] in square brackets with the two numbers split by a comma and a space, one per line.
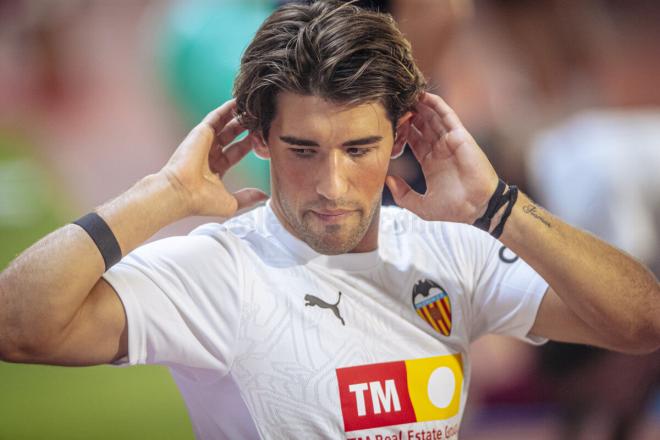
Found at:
[401, 392]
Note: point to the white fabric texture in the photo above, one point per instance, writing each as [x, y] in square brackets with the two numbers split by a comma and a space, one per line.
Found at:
[246, 308]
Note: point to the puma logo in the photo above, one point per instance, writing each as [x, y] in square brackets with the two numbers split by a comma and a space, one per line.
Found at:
[316, 301]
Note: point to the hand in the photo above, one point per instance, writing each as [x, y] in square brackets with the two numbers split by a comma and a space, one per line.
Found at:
[459, 178]
[197, 166]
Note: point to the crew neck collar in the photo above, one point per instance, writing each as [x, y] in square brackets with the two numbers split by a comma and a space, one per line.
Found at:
[351, 262]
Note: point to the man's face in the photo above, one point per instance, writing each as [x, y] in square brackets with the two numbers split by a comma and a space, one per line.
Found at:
[328, 168]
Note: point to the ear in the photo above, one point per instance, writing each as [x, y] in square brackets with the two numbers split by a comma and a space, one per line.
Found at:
[401, 135]
[260, 148]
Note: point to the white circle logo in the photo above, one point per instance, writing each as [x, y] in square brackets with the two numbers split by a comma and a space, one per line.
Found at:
[441, 387]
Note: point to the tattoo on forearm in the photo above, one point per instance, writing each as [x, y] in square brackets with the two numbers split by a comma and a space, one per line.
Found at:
[534, 212]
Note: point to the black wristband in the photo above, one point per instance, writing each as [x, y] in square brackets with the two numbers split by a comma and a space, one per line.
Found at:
[102, 236]
[494, 204]
[511, 197]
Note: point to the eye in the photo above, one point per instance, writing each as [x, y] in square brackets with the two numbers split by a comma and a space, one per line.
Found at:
[303, 152]
[358, 152]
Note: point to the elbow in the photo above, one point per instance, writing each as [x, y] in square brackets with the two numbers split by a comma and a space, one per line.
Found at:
[16, 347]
[649, 330]
[13, 357]
[640, 349]
[8, 347]
[13, 347]
[20, 354]
[644, 340]
[651, 343]
[647, 336]
[643, 325]
[10, 352]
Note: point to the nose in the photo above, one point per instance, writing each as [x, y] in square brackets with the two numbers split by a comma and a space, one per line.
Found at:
[331, 181]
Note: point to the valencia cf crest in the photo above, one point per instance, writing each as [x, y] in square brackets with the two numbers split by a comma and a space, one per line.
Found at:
[432, 304]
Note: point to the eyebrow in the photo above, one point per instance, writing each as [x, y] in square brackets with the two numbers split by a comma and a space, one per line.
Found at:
[309, 143]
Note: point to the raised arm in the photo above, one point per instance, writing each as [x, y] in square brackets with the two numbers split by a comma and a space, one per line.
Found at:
[598, 295]
[54, 306]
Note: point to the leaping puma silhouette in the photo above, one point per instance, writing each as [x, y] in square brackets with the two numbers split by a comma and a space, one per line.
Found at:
[316, 301]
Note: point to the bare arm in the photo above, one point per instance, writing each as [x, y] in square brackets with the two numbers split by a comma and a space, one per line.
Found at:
[598, 295]
[54, 306]
[47, 289]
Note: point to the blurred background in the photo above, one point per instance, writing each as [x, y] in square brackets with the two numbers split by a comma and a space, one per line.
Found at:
[562, 95]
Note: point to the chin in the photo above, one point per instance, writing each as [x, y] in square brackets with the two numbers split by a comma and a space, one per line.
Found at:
[332, 248]
[329, 243]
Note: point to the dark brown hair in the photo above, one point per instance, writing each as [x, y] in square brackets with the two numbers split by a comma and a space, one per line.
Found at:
[331, 49]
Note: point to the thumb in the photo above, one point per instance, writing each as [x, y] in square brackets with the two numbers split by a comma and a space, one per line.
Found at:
[403, 194]
[249, 197]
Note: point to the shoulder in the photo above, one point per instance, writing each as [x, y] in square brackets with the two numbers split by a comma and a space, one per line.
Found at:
[455, 248]
[398, 221]
[243, 235]
[236, 228]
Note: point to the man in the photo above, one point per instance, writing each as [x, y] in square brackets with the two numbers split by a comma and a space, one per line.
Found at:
[334, 317]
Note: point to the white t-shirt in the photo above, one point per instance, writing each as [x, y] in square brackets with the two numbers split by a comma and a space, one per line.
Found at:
[362, 345]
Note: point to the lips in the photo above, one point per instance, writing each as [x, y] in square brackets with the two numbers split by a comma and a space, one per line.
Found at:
[331, 212]
[334, 215]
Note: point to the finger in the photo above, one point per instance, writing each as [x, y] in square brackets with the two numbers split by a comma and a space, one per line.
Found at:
[222, 160]
[418, 145]
[229, 132]
[403, 194]
[249, 197]
[423, 123]
[197, 143]
[220, 116]
[432, 121]
[446, 113]
[457, 138]
[436, 102]
[237, 151]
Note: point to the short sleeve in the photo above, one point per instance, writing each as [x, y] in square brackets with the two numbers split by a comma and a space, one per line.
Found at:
[181, 296]
[505, 291]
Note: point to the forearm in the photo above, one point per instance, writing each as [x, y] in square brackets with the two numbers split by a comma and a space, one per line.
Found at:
[42, 289]
[606, 288]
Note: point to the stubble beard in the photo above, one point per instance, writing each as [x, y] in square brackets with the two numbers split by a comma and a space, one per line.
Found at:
[336, 239]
